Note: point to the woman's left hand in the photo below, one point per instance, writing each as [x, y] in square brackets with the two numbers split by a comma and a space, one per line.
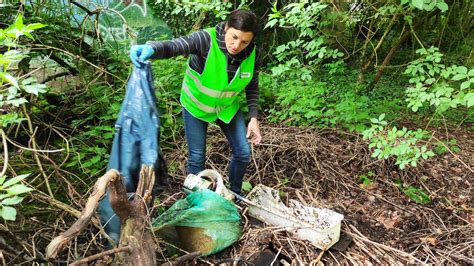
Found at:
[253, 131]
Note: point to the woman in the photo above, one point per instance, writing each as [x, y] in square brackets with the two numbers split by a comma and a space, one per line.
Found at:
[222, 64]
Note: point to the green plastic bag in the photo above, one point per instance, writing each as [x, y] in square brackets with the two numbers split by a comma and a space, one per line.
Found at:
[204, 221]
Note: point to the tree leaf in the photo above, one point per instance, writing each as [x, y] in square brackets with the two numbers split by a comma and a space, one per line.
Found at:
[442, 6]
[458, 77]
[462, 69]
[18, 189]
[12, 201]
[465, 85]
[34, 26]
[19, 22]
[469, 98]
[8, 213]
[418, 4]
[15, 180]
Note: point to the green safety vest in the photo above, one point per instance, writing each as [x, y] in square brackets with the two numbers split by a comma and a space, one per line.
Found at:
[209, 96]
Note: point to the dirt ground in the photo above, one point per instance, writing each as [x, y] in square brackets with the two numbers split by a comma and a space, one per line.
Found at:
[382, 225]
[320, 168]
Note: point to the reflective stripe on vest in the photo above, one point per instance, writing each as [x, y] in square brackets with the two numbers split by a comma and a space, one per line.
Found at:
[197, 102]
[210, 92]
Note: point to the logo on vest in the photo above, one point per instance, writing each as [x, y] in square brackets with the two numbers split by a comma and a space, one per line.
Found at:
[245, 75]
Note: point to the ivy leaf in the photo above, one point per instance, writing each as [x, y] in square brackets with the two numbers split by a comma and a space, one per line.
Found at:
[16, 102]
[9, 78]
[8, 213]
[35, 88]
[10, 56]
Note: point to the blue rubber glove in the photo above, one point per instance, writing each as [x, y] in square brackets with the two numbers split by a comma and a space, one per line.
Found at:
[140, 53]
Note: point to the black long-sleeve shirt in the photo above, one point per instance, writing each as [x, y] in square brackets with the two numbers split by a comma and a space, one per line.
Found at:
[197, 45]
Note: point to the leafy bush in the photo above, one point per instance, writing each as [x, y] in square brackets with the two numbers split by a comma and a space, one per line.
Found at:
[168, 75]
[10, 191]
[418, 195]
[17, 92]
[399, 143]
[437, 85]
[333, 100]
[181, 16]
[309, 48]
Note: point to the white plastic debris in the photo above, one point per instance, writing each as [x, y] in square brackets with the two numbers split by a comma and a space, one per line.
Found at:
[210, 179]
[322, 227]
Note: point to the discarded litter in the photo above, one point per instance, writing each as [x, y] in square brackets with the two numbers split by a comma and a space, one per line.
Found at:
[204, 221]
[322, 227]
[210, 179]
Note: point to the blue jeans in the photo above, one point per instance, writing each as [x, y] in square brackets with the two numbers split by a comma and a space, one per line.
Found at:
[235, 132]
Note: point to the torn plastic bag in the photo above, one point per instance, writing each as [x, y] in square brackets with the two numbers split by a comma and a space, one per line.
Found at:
[204, 221]
[136, 143]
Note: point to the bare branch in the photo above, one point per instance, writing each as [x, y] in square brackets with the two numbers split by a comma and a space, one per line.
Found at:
[61, 241]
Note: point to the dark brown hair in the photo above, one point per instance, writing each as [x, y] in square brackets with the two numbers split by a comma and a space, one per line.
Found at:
[243, 20]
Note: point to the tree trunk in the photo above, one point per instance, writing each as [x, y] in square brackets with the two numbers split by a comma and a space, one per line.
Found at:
[133, 214]
[135, 233]
[397, 45]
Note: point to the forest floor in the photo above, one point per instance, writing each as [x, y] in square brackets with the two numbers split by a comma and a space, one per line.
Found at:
[320, 168]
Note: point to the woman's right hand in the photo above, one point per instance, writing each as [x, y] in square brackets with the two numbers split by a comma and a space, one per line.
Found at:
[140, 53]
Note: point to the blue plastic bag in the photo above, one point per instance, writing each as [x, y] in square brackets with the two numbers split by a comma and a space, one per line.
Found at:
[136, 143]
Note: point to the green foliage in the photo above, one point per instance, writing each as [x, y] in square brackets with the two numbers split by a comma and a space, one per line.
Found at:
[11, 194]
[181, 16]
[168, 75]
[418, 195]
[9, 119]
[398, 143]
[299, 103]
[194, 8]
[437, 85]
[16, 92]
[309, 47]
[246, 186]
[427, 5]
[333, 101]
[441, 147]
[366, 179]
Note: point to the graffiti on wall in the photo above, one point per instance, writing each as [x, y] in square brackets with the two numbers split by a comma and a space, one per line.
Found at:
[123, 20]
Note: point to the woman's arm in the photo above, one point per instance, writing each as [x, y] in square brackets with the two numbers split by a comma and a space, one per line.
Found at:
[195, 43]
[251, 92]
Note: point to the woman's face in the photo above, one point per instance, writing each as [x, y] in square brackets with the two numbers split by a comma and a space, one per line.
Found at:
[236, 40]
